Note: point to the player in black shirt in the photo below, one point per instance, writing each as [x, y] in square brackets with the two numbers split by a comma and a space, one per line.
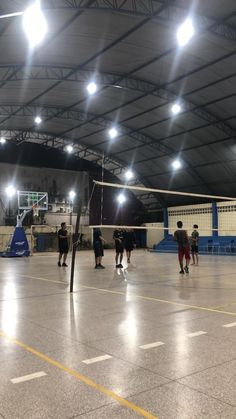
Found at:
[63, 244]
[129, 243]
[98, 241]
[119, 237]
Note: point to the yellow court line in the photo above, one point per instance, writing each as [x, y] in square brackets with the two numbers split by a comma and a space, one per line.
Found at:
[143, 297]
[81, 378]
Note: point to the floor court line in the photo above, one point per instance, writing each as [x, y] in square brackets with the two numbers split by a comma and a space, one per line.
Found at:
[82, 378]
[192, 335]
[28, 377]
[213, 310]
[44, 279]
[97, 359]
[143, 297]
[151, 345]
[230, 325]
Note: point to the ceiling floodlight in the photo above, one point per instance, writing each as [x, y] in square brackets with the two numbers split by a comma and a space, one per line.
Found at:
[175, 109]
[129, 174]
[176, 164]
[2, 140]
[121, 198]
[113, 133]
[185, 32]
[10, 191]
[69, 149]
[72, 195]
[38, 120]
[91, 88]
[34, 24]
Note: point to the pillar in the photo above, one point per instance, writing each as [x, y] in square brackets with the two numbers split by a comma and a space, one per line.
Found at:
[166, 224]
[214, 218]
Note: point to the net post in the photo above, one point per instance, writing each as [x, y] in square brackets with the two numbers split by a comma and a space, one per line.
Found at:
[74, 245]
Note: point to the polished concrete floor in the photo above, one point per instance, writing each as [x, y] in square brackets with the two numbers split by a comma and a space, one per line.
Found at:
[138, 342]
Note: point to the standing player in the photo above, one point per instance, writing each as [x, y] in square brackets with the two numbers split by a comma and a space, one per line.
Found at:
[181, 236]
[98, 241]
[119, 237]
[63, 244]
[194, 244]
[129, 243]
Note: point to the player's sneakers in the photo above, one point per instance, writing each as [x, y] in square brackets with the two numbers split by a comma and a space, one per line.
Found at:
[101, 266]
[59, 264]
[182, 271]
[120, 265]
[117, 266]
[186, 269]
[64, 264]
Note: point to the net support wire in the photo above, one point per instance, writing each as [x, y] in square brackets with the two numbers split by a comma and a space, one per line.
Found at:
[164, 191]
[127, 227]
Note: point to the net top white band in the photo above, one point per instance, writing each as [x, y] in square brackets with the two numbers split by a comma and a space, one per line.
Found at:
[164, 191]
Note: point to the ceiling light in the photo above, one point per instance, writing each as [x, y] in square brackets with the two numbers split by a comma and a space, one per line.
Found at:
[2, 140]
[34, 24]
[91, 88]
[176, 164]
[38, 120]
[113, 133]
[129, 174]
[69, 149]
[72, 195]
[185, 32]
[121, 198]
[10, 191]
[175, 109]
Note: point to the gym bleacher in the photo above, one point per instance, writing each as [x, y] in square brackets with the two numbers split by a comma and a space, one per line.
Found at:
[215, 245]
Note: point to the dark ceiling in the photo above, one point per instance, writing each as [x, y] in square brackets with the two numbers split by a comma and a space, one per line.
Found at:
[129, 48]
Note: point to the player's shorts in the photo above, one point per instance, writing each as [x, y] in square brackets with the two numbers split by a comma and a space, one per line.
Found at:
[63, 248]
[129, 247]
[194, 248]
[184, 251]
[119, 247]
[98, 249]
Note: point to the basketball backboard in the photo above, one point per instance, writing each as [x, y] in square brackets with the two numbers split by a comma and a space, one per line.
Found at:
[28, 199]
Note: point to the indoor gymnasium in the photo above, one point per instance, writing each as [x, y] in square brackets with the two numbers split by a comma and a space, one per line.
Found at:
[117, 209]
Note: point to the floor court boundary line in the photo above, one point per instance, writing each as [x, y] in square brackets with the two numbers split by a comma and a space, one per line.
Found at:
[213, 310]
[44, 279]
[143, 297]
[82, 378]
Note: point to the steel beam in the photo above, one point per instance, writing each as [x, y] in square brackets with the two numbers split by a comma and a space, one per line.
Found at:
[55, 73]
[115, 166]
[172, 15]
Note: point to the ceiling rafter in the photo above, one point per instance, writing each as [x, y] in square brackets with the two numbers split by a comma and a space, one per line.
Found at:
[109, 79]
[50, 111]
[115, 166]
[172, 14]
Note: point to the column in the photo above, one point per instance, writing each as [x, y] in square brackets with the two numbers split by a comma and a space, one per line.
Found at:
[166, 224]
[214, 218]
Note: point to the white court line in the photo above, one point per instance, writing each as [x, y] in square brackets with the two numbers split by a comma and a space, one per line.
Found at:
[44, 279]
[151, 345]
[192, 335]
[97, 359]
[28, 377]
[229, 325]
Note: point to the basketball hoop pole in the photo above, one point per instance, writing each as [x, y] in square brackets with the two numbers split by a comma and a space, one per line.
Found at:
[74, 245]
